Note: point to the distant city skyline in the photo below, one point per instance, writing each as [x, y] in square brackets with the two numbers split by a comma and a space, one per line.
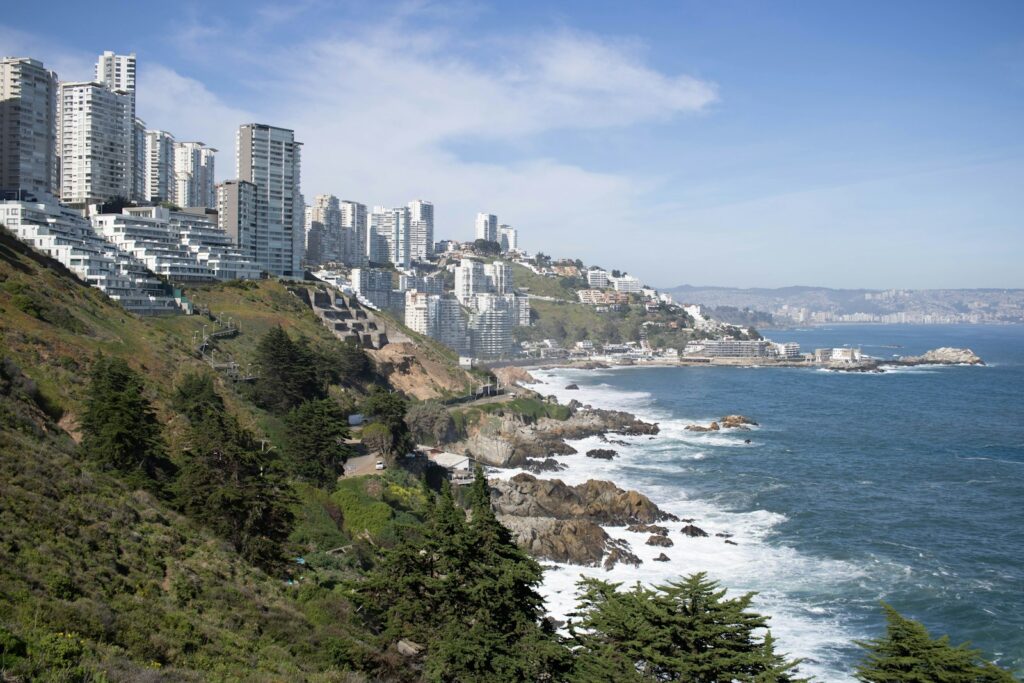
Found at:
[872, 145]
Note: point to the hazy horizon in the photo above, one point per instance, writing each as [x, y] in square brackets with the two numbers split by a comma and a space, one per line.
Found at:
[872, 145]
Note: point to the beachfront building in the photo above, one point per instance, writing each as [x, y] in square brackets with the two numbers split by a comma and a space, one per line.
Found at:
[28, 124]
[490, 326]
[731, 348]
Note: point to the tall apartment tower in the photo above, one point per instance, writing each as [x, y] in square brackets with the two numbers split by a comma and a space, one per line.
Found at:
[421, 230]
[160, 178]
[326, 211]
[508, 238]
[389, 236]
[28, 124]
[194, 175]
[470, 280]
[487, 227]
[237, 215]
[353, 225]
[269, 158]
[94, 141]
[499, 277]
[117, 72]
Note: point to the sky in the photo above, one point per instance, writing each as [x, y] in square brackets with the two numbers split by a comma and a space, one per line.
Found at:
[736, 143]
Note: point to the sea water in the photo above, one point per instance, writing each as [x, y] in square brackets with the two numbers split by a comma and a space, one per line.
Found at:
[856, 488]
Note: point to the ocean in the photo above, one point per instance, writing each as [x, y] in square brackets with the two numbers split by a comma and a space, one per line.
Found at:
[905, 487]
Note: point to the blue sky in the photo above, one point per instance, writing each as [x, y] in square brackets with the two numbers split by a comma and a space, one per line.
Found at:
[873, 144]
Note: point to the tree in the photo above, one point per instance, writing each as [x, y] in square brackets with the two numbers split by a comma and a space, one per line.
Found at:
[378, 438]
[288, 372]
[682, 631]
[482, 246]
[315, 441]
[228, 483]
[907, 653]
[119, 426]
[388, 408]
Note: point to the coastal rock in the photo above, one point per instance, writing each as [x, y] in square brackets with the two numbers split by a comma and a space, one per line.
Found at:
[620, 553]
[513, 375]
[713, 427]
[662, 558]
[572, 387]
[648, 529]
[601, 502]
[576, 541]
[944, 356]
[731, 542]
[663, 541]
[736, 422]
[601, 453]
[693, 531]
[545, 465]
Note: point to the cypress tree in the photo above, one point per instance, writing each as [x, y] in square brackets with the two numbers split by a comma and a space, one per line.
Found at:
[908, 654]
[119, 426]
[316, 434]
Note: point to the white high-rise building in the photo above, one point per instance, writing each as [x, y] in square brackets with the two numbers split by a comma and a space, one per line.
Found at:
[499, 277]
[160, 178]
[438, 317]
[508, 238]
[392, 226]
[138, 161]
[353, 225]
[270, 158]
[237, 209]
[470, 280]
[597, 278]
[421, 230]
[490, 326]
[325, 211]
[626, 283]
[28, 124]
[194, 175]
[95, 143]
[118, 72]
[487, 227]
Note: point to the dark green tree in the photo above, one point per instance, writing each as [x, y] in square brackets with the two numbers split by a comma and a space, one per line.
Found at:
[289, 372]
[683, 631]
[908, 654]
[315, 441]
[228, 483]
[120, 431]
[388, 408]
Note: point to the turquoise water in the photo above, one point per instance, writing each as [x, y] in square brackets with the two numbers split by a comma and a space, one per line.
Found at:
[905, 487]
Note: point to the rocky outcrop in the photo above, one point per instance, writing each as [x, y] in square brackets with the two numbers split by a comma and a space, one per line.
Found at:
[417, 371]
[507, 440]
[601, 453]
[513, 375]
[693, 531]
[726, 422]
[601, 502]
[648, 529]
[736, 422]
[572, 387]
[943, 356]
[545, 465]
[574, 541]
[663, 541]
[662, 558]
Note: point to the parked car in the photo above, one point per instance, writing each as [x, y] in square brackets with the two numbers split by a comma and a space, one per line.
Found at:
[380, 465]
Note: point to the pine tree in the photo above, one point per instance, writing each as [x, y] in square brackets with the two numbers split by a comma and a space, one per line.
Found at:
[289, 372]
[683, 631]
[316, 434]
[908, 654]
[227, 483]
[119, 426]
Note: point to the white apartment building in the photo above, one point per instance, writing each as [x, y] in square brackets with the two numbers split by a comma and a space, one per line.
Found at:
[499, 277]
[194, 171]
[353, 225]
[375, 286]
[597, 278]
[199, 233]
[627, 284]
[508, 238]
[160, 178]
[429, 284]
[237, 214]
[62, 234]
[118, 73]
[490, 326]
[28, 124]
[421, 230]
[470, 280]
[521, 317]
[95, 143]
[270, 158]
[438, 317]
[487, 227]
[148, 238]
[325, 211]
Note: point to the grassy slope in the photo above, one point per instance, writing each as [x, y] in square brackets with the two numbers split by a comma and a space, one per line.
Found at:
[524, 278]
